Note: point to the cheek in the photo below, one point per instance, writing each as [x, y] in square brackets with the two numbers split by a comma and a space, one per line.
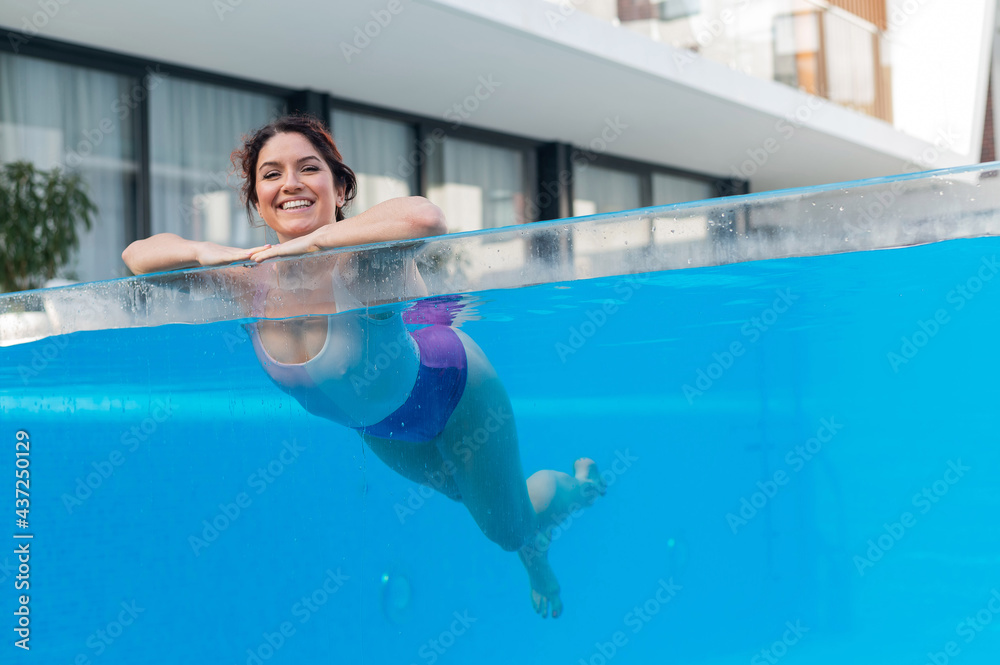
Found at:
[263, 194]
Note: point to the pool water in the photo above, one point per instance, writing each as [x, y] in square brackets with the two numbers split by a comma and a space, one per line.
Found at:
[801, 457]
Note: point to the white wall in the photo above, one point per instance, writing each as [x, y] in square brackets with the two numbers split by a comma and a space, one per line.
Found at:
[996, 83]
[934, 98]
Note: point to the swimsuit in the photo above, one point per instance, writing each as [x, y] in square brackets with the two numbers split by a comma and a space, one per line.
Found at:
[365, 366]
[440, 383]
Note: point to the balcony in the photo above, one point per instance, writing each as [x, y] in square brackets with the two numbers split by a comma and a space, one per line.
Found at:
[836, 50]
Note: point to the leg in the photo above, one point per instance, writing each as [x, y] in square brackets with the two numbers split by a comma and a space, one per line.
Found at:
[480, 443]
[421, 463]
[555, 496]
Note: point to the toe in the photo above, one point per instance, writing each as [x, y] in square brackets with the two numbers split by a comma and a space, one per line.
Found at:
[587, 474]
[545, 605]
[538, 602]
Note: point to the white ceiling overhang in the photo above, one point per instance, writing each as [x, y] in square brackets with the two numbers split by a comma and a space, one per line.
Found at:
[548, 79]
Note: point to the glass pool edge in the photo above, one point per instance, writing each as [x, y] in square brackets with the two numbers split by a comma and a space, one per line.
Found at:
[880, 213]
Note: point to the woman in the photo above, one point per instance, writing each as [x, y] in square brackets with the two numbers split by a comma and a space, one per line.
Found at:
[437, 412]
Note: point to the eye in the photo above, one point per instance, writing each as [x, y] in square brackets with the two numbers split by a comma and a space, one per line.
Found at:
[270, 175]
[310, 169]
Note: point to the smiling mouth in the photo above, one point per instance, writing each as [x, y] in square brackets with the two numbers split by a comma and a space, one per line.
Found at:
[296, 205]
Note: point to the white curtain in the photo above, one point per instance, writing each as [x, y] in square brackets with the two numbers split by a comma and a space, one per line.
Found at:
[669, 189]
[850, 63]
[381, 154]
[194, 127]
[478, 186]
[691, 225]
[79, 120]
[598, 190]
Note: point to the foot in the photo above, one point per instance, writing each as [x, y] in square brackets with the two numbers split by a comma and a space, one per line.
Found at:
[591, 483]
[544, 585]
[554, 495]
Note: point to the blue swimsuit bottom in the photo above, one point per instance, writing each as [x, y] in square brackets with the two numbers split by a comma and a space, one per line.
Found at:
[439, 386]
[440, 379]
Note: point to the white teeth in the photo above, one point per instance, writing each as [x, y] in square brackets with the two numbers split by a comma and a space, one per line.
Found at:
[295, 204]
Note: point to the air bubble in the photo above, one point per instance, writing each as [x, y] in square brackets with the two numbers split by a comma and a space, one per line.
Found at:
[677, 555]
[396, 595]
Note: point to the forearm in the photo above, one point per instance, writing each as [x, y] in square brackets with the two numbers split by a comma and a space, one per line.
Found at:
[406, 218]
[164, 251]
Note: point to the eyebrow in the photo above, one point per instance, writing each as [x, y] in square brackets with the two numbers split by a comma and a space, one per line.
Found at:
[261, 167]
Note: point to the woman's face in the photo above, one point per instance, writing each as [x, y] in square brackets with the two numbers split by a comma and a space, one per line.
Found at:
[296, 191]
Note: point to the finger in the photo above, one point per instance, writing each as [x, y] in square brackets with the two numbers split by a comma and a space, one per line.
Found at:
[265, 254]
[248, 253]
[284, 249]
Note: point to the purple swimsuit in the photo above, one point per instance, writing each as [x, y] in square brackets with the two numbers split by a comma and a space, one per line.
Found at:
[439, 385]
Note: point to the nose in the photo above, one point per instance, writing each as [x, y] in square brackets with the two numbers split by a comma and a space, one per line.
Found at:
[291, 182]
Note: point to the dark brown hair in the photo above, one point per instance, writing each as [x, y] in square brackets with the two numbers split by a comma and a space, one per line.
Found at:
[245, 158]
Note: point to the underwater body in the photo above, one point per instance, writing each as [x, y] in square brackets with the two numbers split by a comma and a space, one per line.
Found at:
[799, 451]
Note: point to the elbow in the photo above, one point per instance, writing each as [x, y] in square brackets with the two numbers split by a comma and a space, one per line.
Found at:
[427, 219]
[135, 257]
[129, 258]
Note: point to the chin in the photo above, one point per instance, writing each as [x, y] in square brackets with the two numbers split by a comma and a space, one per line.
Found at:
[299, 230]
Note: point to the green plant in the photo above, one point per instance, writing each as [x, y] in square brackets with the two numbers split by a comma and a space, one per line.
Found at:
[39, 215]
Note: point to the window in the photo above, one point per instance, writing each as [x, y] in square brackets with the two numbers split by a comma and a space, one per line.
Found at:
[835, 55]
[797, 51]
[597, 189]
[377, 151]
[851, 66]
[80, 120]
[668, 10]
[194, 127]
[177, 177]
[669, 189]
[478, 186]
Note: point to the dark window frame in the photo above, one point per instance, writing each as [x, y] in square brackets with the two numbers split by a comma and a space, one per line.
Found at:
[137, 67]
[645, 170]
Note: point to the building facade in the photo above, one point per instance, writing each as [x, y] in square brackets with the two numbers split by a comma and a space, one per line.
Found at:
[501, 113]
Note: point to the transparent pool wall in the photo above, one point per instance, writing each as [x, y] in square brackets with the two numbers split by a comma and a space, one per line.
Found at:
[182, 507]
[871, 214]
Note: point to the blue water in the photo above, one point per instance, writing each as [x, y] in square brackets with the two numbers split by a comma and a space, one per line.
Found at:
[770, 382]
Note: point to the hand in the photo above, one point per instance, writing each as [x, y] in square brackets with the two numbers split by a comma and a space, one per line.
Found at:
[294, 247]
[211, 254]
